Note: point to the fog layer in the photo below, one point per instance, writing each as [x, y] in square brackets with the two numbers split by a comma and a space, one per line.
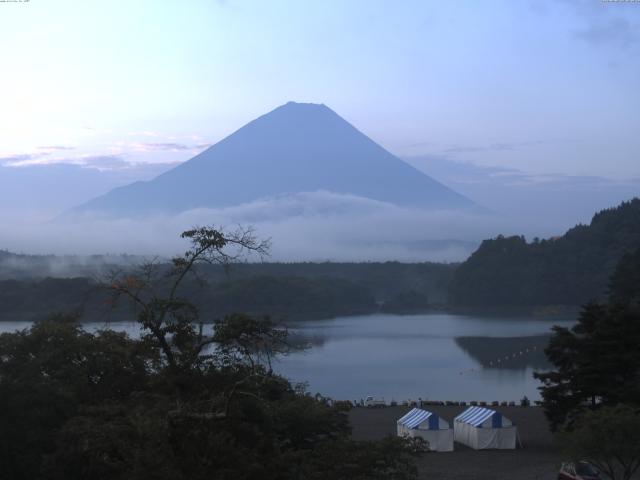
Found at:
[312, 226]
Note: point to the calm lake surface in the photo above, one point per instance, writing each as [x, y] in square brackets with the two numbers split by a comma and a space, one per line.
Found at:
[435, 356]
[431, 356]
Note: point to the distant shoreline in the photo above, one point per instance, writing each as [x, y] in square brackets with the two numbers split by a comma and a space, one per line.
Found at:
[540, 311]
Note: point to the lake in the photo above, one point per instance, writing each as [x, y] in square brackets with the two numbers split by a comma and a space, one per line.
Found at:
[436, 356]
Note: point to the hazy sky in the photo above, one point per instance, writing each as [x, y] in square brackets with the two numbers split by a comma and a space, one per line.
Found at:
[541, 86]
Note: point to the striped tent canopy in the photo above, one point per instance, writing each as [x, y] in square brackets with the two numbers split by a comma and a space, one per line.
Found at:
[417, 416]
[477, 416]
[418, 423]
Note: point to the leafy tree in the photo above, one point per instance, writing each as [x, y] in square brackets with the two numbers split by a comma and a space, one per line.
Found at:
[609, 438]
[47, 373]
[177, 403]
[166, 316]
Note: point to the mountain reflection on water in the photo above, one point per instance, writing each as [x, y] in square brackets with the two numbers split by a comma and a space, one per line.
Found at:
[434, 356]
[511, 353]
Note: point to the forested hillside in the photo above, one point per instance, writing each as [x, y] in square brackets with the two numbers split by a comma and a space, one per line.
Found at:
[32, 286]
[293, 291]
[568, 270]
[384, 280]
[289, 298]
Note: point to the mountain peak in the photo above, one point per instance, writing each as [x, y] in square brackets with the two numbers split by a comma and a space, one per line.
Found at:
[295, 148]
[293, 104]
[300, 108]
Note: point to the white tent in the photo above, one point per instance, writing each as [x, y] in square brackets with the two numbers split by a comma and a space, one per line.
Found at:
[481, 428]
[429, 426]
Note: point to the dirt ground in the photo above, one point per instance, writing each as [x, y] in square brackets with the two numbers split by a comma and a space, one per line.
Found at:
[537, 459]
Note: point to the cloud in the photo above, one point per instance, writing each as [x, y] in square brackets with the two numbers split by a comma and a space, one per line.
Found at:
[313, 226]
[103, 162]
[145, 133]
[11, 160]
[43, 159]
[457, 172]
[419, 144]
[321, 225]
[153, 146]
[55, 148]
[115, 163]
[498, 146]
[537, 204]
[495, 147]
[166, 146]
[120, 155]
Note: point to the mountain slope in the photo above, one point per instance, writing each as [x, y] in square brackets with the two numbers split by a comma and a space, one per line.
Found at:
[570, 270]
[294, 148]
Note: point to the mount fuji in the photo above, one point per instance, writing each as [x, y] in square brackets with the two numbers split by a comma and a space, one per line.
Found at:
[296, 148]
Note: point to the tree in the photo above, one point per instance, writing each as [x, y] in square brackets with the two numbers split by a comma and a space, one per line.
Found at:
[624, 286]
[176, 404]
[597, 361]
[608, 438]
[47, 374]
[164, 314]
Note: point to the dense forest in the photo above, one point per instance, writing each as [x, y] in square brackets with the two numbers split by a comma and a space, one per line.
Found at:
[294, 291]
[569, 270]
[383, 279]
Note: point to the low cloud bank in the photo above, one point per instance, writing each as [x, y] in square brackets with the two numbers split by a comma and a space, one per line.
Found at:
[315, 226]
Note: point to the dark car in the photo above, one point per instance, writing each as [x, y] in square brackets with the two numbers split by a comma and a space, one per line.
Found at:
[578, 471]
